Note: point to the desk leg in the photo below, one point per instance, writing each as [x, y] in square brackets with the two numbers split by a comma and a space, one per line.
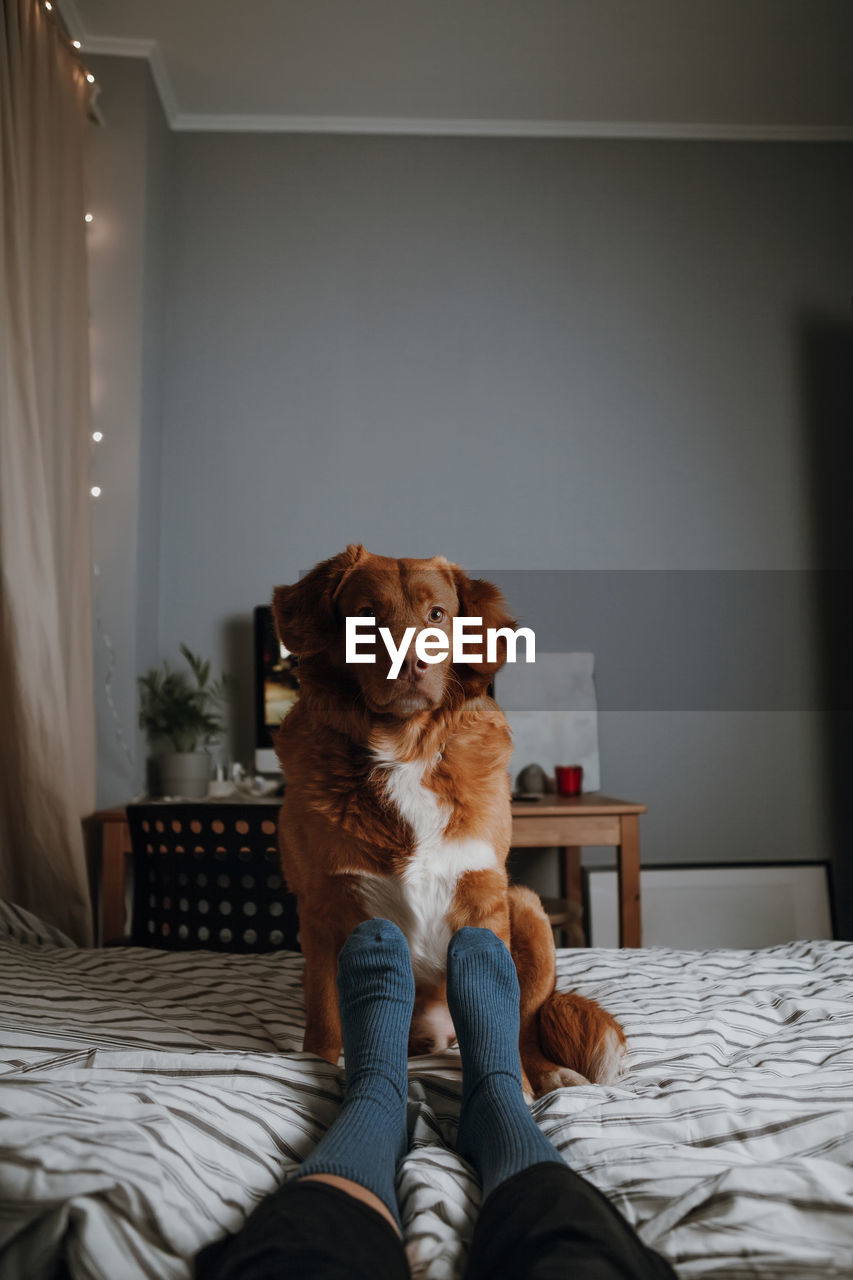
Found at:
[570, 875]
[571, 891]
[115, 846]
[630, 932]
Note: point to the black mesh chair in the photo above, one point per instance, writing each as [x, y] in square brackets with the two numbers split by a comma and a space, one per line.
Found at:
[207, 877]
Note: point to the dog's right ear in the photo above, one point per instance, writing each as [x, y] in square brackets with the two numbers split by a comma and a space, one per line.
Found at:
[304, 613]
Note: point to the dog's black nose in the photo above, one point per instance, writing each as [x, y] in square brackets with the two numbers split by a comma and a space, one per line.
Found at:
[413, 668]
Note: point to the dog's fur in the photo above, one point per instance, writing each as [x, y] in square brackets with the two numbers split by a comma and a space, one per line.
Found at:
[397, 804]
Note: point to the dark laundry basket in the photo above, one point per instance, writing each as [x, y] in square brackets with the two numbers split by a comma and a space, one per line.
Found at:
[207, 877]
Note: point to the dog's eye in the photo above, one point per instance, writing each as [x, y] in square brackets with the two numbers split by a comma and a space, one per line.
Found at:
[436, 614]
[366, 611]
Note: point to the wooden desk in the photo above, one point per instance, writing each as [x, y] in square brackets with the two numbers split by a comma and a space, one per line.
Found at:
[593, 820]
[554, 821]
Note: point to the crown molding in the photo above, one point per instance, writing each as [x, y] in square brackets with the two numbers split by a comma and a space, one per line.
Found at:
[615, 129]
[211, 122]
[124, 47]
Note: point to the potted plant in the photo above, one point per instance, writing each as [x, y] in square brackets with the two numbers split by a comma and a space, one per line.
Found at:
[181, 714]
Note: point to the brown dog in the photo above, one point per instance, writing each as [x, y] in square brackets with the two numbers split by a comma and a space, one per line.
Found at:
[397, 804]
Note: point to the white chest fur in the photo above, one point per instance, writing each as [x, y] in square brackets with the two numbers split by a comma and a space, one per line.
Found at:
[419, 899]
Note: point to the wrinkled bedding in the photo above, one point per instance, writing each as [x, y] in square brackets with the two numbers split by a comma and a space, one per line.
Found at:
[149, 1100]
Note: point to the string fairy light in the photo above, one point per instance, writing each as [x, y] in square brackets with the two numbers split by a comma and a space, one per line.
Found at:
[97, 436]
[95, 492]
[76, 45]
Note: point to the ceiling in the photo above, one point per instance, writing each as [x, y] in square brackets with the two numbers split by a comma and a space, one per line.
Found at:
[668, 68]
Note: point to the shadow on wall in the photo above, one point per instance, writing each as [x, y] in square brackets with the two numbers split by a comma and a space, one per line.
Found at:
[826, 354]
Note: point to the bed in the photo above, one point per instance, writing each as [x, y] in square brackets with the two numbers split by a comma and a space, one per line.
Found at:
[149, 1099]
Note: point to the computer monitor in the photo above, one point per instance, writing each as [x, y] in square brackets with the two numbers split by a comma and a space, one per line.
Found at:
[276, 686]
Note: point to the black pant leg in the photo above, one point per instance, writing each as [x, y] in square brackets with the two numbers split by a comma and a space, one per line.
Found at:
[548, 1223]
[308, 1231]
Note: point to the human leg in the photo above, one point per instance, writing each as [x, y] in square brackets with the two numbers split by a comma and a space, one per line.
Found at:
[548, 1223]
[308, 1230]
[496, 1132]
[338, 1216]
[540, 1220]
[376, 991]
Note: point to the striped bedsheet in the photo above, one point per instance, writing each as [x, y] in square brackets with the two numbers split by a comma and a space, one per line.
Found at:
[148, 1100]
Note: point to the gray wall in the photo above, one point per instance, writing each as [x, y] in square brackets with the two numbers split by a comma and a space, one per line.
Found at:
[527, 355]
[534, 354]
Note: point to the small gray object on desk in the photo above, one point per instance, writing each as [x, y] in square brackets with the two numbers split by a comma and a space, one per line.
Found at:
[533, 780]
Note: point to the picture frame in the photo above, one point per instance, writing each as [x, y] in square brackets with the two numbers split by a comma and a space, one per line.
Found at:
[702, 905]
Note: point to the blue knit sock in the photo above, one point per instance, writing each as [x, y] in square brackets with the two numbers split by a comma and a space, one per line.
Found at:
[377, 992]
[497, 1133]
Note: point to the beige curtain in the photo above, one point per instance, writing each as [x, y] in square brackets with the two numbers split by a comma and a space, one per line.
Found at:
[47, 745]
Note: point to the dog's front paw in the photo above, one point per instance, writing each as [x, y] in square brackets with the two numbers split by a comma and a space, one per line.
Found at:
[559, 1078]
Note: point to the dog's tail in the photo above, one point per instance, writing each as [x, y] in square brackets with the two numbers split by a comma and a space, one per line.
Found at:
[576, 1031]
[559, 1029]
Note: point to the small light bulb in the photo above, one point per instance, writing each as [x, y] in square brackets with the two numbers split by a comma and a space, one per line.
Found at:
[48, 6]
[95, 491]
[97, 436]
[88, 217]
[90, 77]
[76, 44]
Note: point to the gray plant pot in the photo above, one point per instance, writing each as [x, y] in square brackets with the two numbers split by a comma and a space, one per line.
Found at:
[184, 773]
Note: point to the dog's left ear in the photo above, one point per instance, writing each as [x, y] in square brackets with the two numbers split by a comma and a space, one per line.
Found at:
[304, 613]
[481, 599]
